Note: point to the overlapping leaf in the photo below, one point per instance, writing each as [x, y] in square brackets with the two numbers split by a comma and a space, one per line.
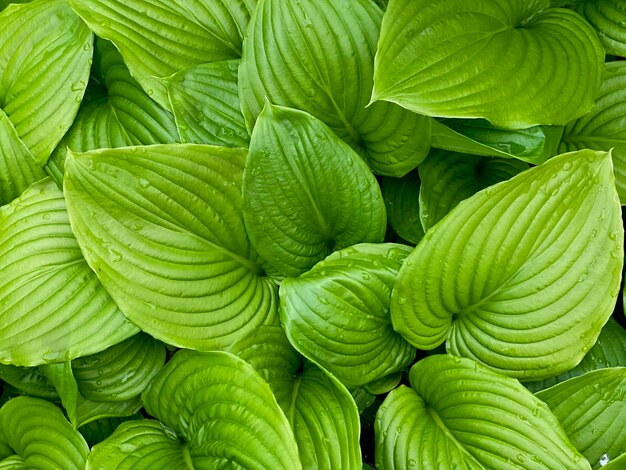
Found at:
[604, 128]
[403, 207]
[174, 36]
[337, 314]
[462, 415]
[318, 56]
[44, 68]
[523, 275]
[592, 411]
[517, 64]
[609, 18]
[40, 436]
[161, 226]
[292, 218]
[450, 177]
[206, 104]
[52, 306]
[116, 112]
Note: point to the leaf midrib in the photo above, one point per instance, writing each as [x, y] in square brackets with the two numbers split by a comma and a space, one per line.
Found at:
[441, 425]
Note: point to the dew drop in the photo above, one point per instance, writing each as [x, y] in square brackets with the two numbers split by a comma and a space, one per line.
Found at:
[412, 463]
[144, 183]
[256, 171]
[98, 382]
[521, 458]
[87, 47]
[116, 256]
[567, 166]
[604, 460]
[100, 372]
[401, 300]
[365, 276]
[613, 235]
[149, 91]
[78, 86]
[322, 300]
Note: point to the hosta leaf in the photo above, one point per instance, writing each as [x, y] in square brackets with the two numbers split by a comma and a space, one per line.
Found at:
[116, 111]
[61, 376]
[139, 445]
[98, 430]
[318, 56]
[337, 314]
[477, 137]
[39, 434]
[120, 372]
[44, 68]
[325, 421]
[224, 411]
[523, 275]
[292, 219]
[462, 415]
[403, 211]
[612, 464]
[450, 177]
[609, 351]
[604, 128]
[517, 64]
[18, 167]
[88, 411]
[592, 411]
[28, 380]
[206, 104]
[52, 306]
[161, 226]
[384, 384]
[609, 19]
[173, 36]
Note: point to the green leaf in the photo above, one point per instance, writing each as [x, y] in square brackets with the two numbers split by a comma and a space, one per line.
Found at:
[206, 104]
[592, 411]
[608, 351]
[403, 210]
[292, 218]
[120, 372]
[609, 18]
[98, 430]
[604, 128]
[318, 56]
[162, 228]
[139, 445]
[52, 306]
[523, 275]
[462, 415]
[384, 384]
[44, 68]
[325, 420]
[517, 64]
[337, 314]
[28, 380]
[18, 167]
[116, 112]
[88, 411]
[224, 410]
[38, 432]
[62, 377]
[478, 137]
[450, 177]
[613, 464]
[173, 36]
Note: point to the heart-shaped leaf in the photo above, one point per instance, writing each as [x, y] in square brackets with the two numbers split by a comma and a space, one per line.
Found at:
[52, 306]
[523, 275]
[517, 64]
[337, 314]
[318, 56]
[460, 414]
[609, 18]
[592, 411]
[292, 218]
[175, 35]
[162, 228]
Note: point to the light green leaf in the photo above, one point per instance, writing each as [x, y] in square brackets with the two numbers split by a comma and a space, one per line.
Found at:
[292, 218]
[318, 56]
[98, 430]
[517, 64]
[384, 384]
[613, 464]
[460, 414]
[604, 128]
[337, 314]
[52, 306]
[205, 101]
[609, 351]
[162, 228]
[39, 434]
[402, 202]
[450, 177]
[609, 19]
[523, 275]
[592, 411]
[120, 372]
[116, 112]
[477, 137]
[139, 445]
[174, 36]
[18, 167]
[60, 375]
[44, 68]
[88, 411]
[224, 411]
[362, 398]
